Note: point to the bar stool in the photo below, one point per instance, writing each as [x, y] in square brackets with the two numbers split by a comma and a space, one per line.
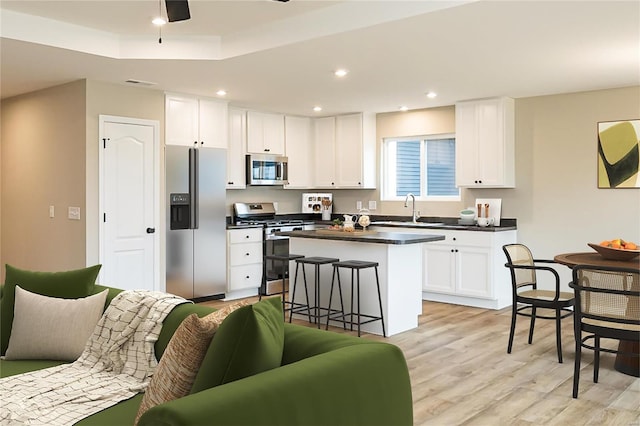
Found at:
[355, 266]
[284, 260]
[316, 261]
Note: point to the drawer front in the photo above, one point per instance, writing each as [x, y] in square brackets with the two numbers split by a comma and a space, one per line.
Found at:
[245, 254]
[243, 277]
[249, 235]
[467, 238]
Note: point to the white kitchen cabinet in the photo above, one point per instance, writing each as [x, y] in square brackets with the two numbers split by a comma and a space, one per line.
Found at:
[190, 121]
[244, 260]
[345, 151]
[485, 143]
[299, 149]
[466, 268]
[236, 152]
[324, 130]
[265, 133]
[459, 265]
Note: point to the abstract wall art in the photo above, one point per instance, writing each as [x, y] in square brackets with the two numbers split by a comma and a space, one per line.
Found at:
[619, 154]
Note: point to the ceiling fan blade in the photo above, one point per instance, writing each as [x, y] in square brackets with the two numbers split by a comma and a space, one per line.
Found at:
[177, 10]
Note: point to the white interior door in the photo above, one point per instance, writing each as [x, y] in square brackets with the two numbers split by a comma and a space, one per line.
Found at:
[129, 197]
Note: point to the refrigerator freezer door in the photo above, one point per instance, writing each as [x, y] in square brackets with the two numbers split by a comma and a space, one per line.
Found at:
[210, 250]
[180, 241]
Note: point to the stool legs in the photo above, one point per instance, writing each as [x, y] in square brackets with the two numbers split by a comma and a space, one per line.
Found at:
[333, 278]
[384, 333]
[293, 293]
[356, 316]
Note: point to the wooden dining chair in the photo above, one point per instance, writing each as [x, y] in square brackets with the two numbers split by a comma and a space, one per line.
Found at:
[528, 298]
[607, 307]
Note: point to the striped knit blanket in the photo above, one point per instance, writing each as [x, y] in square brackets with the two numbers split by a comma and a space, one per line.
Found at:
[117, 363]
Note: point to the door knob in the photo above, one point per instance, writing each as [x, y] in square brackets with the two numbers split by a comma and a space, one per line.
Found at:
[151, 230]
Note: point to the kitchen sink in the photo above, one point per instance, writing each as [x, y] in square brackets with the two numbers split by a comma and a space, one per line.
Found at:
[408, 224]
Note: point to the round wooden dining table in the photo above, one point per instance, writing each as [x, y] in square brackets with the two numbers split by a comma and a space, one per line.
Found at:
[626, 364]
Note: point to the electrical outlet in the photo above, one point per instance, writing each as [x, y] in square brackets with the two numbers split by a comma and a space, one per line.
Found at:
[359, 205]
[373, 205]
[74, 213]
[52, 212]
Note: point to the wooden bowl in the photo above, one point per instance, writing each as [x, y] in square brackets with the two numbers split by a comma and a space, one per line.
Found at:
[613, 253]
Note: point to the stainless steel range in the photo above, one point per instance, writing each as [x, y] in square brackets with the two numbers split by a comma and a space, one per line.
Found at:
[264, 214]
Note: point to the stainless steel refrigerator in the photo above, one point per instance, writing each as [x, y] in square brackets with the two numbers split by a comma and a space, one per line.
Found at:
[196, 221]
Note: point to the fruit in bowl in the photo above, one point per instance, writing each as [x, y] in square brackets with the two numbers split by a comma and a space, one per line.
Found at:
[619, 243]
[617, 249]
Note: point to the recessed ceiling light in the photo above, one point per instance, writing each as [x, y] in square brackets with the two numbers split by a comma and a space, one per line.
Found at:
[341, 73]
[221, 92]
[431, 95]
[159, 21]
[404, 108]
[317, 108]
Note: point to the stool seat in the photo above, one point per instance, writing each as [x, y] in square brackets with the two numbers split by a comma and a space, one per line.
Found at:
[317, 260]
[356, 264]
[284, 257]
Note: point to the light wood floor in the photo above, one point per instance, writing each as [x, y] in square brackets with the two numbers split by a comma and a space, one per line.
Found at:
[461, 373]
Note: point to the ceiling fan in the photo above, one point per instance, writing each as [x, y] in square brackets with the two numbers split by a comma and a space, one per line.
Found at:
[178, 10]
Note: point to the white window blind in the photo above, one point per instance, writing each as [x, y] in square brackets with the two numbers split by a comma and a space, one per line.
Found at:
[423, 166]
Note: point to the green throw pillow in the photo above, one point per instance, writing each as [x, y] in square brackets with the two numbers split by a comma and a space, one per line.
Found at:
[249, 341]
[68, 285]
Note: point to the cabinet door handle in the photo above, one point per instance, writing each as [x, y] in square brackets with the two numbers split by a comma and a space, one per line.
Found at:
[246, 254]
[247, 277]
[247, 236]
[229, 183]
[267, 150]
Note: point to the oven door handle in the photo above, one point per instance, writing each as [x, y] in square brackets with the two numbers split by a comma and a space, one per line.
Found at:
[272, 237]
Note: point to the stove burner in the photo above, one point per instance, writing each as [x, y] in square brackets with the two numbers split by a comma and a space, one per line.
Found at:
[270, 222]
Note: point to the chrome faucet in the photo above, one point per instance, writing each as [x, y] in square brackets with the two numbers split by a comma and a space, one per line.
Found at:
[414, 215]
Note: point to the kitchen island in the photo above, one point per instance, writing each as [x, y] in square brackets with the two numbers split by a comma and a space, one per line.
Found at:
[400, 271]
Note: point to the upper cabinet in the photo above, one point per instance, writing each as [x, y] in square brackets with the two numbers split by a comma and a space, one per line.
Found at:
[324, 135]
[236, 178]
[265, 133]
[191, 121]
[299, 148]
[485, 143]
[345, 151]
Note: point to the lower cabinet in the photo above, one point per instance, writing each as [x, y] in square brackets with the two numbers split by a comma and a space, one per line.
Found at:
[468, 268]
[244, 261]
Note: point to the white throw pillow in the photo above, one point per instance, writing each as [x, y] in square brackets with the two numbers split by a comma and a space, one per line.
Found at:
[52, 328]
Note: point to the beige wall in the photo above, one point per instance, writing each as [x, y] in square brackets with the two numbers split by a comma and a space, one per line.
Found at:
[556, 200]
[43, 164]
[123, 101]
[49, 136]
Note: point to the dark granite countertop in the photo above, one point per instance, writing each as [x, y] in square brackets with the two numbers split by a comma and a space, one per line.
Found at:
[232, 226]
[444, 226]
[368, 237]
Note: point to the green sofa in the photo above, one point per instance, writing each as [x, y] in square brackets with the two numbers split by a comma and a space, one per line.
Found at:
[325, 379]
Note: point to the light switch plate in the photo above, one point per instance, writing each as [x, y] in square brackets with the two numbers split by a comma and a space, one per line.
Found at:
[52, 211]
[74, 213]
[358, 205]
[373, 205]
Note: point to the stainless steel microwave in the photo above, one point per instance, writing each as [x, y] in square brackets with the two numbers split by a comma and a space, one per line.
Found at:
[266, 169]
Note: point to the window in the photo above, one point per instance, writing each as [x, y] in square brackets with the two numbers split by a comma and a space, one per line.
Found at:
[424, 166]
